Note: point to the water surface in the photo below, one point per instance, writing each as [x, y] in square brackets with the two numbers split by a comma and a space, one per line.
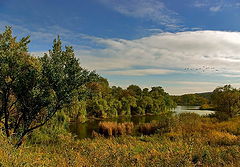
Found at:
[193, 109]
[84, 130]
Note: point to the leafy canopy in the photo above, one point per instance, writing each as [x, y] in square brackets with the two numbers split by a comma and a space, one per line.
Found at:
[33, 89]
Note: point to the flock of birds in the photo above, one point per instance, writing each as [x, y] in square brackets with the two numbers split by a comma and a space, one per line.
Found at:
[202, 69]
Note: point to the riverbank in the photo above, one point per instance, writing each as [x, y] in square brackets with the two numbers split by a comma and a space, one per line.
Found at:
[192, 141]
[84, 130]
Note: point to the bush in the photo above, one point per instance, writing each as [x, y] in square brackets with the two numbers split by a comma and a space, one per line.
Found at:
[222, 116]
[206, 107]
[51, 132]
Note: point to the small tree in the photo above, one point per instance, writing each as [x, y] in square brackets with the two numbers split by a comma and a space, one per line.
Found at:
[227, 101]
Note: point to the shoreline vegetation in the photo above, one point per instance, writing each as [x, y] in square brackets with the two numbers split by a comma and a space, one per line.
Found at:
[119, 117]
[190, 141]
[39, 96]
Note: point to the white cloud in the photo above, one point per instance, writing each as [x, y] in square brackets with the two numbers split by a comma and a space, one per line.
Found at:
[199, 4]
[215, 8]
[141, 72]
[231, 76]
[165, 53]
[170, 51]
[237, 4]
[216, 5]
[183, 87]
[154, 10]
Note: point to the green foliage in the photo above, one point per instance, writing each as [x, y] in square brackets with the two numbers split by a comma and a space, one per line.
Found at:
[64, 73]
[33, 89]
[103, 101]
[126, 102]
[51, 132]
[98, 108]
[114, 106]
[190, 100]
[23, 93]
[76, 110]
[135, 90]
[226, 101]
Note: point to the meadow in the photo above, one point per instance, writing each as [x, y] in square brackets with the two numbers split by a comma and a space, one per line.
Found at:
[190, 140]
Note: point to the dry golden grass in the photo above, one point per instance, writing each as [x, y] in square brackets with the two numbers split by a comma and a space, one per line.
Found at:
[222, 138]
[115, 129]
[148, 128]
[217, 146]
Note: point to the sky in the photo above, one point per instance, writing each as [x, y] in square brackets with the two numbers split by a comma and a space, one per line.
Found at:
[186, 46]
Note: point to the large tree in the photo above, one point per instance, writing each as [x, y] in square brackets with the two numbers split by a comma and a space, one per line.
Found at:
[15, 64]
[33, 89]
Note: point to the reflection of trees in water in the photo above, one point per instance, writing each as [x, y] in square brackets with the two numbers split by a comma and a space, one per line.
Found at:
[84, 130]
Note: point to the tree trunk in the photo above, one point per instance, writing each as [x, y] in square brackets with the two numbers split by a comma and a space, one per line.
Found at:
[6, 113]
[19, 142]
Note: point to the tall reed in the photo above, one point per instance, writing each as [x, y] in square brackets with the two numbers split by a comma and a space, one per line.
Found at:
[115, 129]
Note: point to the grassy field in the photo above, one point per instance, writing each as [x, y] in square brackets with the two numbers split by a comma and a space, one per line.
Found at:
[191, 141]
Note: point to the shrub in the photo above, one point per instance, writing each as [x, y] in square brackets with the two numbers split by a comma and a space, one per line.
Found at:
[222, 116]
[231, 126]
[51, 132]
[206, 107]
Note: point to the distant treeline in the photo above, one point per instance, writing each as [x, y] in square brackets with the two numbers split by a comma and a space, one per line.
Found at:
[224, 100]
[192, 99]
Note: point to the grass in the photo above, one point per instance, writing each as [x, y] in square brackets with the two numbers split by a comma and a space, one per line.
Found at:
[148, 128]
[191, 141]
[115, 129]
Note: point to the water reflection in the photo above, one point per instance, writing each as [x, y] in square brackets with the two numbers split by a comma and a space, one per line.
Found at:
[84, 130]
[193, 109]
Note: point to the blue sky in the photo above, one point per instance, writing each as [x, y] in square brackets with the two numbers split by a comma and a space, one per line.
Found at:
[184, 46]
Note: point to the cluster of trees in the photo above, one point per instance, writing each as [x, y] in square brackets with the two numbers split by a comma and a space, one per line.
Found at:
[226, 101]
[190, 100]
[104, 101]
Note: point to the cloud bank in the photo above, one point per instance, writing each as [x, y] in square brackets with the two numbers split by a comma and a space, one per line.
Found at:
[167, 53]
